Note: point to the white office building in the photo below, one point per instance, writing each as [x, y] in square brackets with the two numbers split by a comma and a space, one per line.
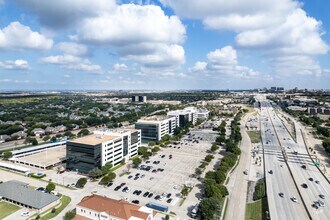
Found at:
[184, 116]
[85, 153]
[156, 127]
[203, 113]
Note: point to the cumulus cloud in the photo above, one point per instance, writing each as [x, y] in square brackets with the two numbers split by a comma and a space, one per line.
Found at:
[20, 37]
[72, 62]
[223, 61]
[120, 67]
[73, 48]
[61, 14]
[276, 29]
[14, 65]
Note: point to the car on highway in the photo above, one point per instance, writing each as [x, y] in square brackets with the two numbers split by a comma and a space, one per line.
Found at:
[310, 179]
[303, 166]
[281, 194]
[270, 172]
[317, 182]
[304, 185]
[322, 196]
[245, 172]
[294, 199]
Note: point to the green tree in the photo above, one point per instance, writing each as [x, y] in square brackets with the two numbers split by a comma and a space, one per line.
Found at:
[106, 168]
[34, 142]
[326, 145]
[95, 173]
[151, 143]
[155, 149]
[53, 139]
[7, 154]
[50, 187]
[83, 132]
[167, 217]
[81, 182]
[209, 207]
[136, 162]
[221, 139]
[69, 215]
[208, 158]
[185, 191]
[214, 148]
[142, 150]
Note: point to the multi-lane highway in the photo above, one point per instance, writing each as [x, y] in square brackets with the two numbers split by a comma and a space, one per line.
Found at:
[298, 157]
[277, 144]
[280, 187]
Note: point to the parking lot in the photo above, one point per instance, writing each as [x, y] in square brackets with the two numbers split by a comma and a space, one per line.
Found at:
[165, 179]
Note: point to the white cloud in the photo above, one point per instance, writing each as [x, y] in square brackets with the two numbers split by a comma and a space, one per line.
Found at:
[61, 14]
[20, 37]
[120, 67]
[299, 34]
[14, 65]
[73, 48]
[156, 56]
[66, 76]
[223, 61]
[132, 24]
[72, 62]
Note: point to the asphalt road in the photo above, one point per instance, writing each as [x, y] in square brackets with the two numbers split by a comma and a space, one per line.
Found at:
[280, 181]
[237, 185]
[295, 161]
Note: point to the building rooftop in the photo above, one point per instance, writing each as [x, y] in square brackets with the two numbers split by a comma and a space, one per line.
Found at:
[118, 208]
[94, 139]
[155, 118]
[20, 192]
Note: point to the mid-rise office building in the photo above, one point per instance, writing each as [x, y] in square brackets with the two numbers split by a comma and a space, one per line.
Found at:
[185, 116]
[86, 153]
[203, 113]
[139, 98]
[155, 127]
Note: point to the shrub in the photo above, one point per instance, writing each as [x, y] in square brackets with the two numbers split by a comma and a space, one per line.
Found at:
[81, 182]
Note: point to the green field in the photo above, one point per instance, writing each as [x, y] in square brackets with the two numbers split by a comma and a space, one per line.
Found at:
[256, 210]
[7, 209]
[254, 136]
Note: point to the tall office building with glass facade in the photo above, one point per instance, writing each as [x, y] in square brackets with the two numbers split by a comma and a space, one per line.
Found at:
[86, 153]
[184, 116]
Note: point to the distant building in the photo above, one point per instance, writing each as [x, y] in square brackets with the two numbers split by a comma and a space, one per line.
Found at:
[86, 153]
[19, 193]
[185, 116]
[139, 98]
[318, 110]
[203, 114]
[38, 132]
[156, 127]
[101, 208]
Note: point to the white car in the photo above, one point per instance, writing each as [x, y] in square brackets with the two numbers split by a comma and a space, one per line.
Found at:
[25, 214]
[294, 199]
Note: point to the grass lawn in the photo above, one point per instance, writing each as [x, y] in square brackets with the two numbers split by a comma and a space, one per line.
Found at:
[65, 200]
[256, 210]
[254, 136]
[7, 209]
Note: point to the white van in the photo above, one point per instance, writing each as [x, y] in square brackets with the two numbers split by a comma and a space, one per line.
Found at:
[194, 211]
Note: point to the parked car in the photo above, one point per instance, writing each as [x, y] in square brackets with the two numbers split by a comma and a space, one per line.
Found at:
[25, 214]
[169, 200]
[146, 194]
[150, 195]
[136, 201]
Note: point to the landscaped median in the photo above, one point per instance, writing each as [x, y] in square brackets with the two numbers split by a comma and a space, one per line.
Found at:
[256, 210]
[54, 211]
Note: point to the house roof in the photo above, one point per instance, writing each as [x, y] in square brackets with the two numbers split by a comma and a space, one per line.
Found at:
[118, 208]
[20, 192]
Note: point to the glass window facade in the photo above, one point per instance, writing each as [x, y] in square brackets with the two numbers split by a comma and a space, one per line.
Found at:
[148, 131]
[83, 157]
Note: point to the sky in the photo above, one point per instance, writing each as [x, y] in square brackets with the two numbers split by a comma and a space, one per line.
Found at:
[164, 44]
